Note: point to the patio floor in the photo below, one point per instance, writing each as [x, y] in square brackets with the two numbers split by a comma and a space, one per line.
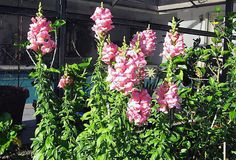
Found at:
[29, 123]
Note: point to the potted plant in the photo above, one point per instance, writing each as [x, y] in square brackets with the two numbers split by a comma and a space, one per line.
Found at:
[12, 100]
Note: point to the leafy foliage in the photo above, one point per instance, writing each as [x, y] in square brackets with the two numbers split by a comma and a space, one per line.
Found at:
[200, 130]
[56, 133]
[206, 78]
[8, 133]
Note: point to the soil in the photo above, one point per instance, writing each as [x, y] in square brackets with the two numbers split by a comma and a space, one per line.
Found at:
[23, 153]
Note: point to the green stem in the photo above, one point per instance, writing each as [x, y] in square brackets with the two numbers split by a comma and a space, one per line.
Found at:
[218, 69]
[169, 71]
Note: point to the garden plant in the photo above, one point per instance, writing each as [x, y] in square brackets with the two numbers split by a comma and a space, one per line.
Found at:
[190, 115]
[55, 135]
[184, 110]
[8, 133]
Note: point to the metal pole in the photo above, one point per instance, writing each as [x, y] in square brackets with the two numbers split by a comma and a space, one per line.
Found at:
[60, 56]
[62, 32]
[229, 7]
[19, 40]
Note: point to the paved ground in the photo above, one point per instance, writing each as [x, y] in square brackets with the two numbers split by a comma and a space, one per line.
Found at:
[29, 123]
[28, 113]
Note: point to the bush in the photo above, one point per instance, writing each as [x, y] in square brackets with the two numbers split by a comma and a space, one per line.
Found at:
[8, 133]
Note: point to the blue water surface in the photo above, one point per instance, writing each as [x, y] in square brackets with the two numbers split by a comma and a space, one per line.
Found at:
[24, 81]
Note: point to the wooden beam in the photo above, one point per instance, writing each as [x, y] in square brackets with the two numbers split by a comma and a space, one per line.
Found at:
[161, 27]
[24, 11]
[187, 5]
[142, 25]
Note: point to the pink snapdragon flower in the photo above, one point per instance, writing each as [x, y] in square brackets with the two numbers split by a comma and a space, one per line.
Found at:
[173, 45]
[139, 107]
[167, 97]
[110, 50]
[122, 77]
[137, 57]
[64, 81]
[39, 37]
[127, 71]
[147, 41]
[103, 23]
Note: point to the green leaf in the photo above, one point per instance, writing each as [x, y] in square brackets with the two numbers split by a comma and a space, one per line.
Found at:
[225, 53]
[58, 23]
[85, 63]
[183, 151]
[232, 115]
[205, 57]
[187, 144]
[22, 45]
[38, 156]
[103, 130]
[86, 116]
[101, 157]
[110, 99]
[100, 139]
[199, 72]
[53, 70]
[154, 156]
[212, 81]
[33, 74]
[181, 75]
[218, 9]
[181, 129]
[174, 137]
[178, 59]
[226, 106]
[179, 116]
[209, 98]
[167, 156]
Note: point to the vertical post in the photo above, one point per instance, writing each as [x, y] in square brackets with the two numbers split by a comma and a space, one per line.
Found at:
[224, 151]
[19, 40]
[61, 43]
[62, 32]
[229, 7]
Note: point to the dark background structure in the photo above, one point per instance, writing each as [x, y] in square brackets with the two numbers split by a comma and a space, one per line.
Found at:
[74, 38]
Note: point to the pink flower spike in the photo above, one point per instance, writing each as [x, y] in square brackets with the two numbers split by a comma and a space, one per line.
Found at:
[109, 52]
[173, 45]
[39, 37]
[167, 97]
[64, 81]
[147, 41]
[103, 23]
[139, 107]
[126, 71]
